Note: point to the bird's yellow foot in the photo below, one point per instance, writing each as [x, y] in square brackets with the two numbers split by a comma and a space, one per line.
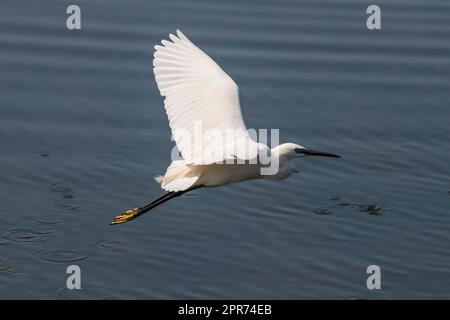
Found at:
[126, 216]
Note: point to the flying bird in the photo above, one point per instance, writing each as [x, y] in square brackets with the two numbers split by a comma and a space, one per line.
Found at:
[199, 98]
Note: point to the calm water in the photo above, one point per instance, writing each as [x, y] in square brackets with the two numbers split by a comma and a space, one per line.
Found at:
[83, 132]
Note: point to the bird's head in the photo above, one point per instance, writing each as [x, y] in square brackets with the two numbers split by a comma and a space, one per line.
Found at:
[292, 151]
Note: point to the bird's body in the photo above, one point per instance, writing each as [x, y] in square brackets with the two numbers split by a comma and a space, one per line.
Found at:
[202, 104]
[215, 175]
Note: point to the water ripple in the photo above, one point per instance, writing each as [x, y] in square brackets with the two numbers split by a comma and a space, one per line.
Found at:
[369, 208]
[322, 211]
[60, 188]
[87, 292]
[49, 219]
[6, 268]
[71, 207]
[28, 235]
[60, 256]
[111, 245]
[65, 189]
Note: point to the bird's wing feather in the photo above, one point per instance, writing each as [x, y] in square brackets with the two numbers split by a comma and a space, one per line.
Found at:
[202, 104]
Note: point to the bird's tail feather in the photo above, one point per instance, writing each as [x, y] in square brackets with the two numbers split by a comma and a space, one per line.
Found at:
[178, 177]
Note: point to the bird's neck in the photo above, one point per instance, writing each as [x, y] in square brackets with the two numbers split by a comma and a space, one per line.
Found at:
[283, 157]
[281, 166]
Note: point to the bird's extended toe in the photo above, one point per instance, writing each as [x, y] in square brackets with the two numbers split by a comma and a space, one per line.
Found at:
[126, 216]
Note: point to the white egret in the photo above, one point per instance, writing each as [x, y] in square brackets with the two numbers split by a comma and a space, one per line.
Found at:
[197, 90]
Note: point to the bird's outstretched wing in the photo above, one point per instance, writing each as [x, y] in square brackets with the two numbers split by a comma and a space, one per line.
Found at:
[202, 104]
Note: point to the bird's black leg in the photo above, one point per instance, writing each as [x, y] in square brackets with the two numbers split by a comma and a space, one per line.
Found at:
[136, 212]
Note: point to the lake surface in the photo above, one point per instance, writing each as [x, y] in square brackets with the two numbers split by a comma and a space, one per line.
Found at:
[83, 132]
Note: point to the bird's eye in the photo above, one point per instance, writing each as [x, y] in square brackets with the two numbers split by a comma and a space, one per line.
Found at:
[298, 150]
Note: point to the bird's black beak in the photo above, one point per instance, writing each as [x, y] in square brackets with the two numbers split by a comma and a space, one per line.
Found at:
[309, 152]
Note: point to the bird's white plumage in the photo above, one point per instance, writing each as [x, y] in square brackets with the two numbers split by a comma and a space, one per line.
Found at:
[200, 97]
[179, 176]
[199, 92]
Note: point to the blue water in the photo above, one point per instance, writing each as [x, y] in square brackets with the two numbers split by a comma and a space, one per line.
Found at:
[83, 131]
